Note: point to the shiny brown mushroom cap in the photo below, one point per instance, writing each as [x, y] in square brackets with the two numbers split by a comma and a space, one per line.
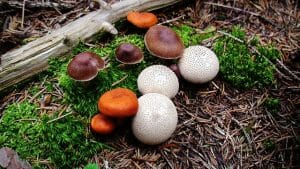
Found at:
[129, 54]
[85, 66]
[163, 42]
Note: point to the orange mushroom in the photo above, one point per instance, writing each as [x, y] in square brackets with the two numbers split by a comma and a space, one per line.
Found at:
[142, 19]
[120, 102]
[102, 124]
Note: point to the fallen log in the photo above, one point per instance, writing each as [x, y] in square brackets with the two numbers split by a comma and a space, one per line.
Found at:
[30, 59]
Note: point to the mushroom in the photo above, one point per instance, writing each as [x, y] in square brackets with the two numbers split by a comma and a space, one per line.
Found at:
[163, 42]
[175, 69]
[129, 54]
[142, 19]
[198, 64]
[85, 66]
[158, 79]
[119, 102]
[155, 120]
[102, 124]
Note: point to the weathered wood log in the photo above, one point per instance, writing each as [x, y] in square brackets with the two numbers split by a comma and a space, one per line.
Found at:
[37, 4]
[30, 59]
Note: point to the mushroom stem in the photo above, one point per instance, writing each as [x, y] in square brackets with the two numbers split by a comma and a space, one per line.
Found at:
[175, 69]
[84, 84]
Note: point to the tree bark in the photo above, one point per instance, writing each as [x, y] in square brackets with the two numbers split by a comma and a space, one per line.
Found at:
[30, 59]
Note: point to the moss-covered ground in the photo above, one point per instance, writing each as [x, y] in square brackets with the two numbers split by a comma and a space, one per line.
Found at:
[45, 140]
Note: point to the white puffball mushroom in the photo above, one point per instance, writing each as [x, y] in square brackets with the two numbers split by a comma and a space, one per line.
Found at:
[155, 120]
[198, 64]
[158, 79]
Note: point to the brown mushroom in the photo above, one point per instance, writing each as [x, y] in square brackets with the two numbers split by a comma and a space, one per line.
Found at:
[163, 42]
[85, 66]
[129, 54]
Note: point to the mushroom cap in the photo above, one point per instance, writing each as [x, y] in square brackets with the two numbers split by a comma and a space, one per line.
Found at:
[119, 102]
[129, 54]
[158, 79]
[102, 124]
[163, 42]
[85, 66]
[142, 19]
[198, 64]
[155, 120]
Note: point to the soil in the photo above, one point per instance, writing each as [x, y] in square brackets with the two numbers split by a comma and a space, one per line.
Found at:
[219, 126]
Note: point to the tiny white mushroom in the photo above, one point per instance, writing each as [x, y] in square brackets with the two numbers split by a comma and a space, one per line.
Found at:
[155, 120]
[198, 64]
[158, 79]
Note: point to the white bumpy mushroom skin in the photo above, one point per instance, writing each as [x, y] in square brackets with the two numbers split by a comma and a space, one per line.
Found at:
[155, 120]
[198, 64]
[158, 79]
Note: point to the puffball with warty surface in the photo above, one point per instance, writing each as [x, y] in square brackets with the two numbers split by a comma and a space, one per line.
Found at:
[155, 120]
[198, 64]
[158, 79]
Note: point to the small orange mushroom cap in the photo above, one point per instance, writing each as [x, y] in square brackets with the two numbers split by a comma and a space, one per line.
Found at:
[102, 124]
[142, 19]
[119, 102]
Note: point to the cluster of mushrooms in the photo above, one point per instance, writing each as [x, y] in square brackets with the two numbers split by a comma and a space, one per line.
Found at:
[154, 114]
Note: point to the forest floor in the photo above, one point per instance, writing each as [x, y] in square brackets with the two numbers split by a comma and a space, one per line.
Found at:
[219, 126]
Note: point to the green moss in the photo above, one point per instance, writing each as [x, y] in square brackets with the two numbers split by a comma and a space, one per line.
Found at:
[91, 166]
[272, 105]
[33, 90]
[269, 145]
[63, 143]
[242, 68]
[190, 36]
[269, 51]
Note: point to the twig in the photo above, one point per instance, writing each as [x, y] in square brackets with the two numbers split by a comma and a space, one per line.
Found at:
[230, 7]
[166, 159]
[241, 10]
[273, 121]
[136, 165]
[201, 157]
[62, 110]
[59, 117]
[288, 70]
[23, 14]
[37, 94]
[244, 131]
[171, 20]
[19, 120]
[277, 70]
[6, 11]
[231, 36]
[119, 81]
